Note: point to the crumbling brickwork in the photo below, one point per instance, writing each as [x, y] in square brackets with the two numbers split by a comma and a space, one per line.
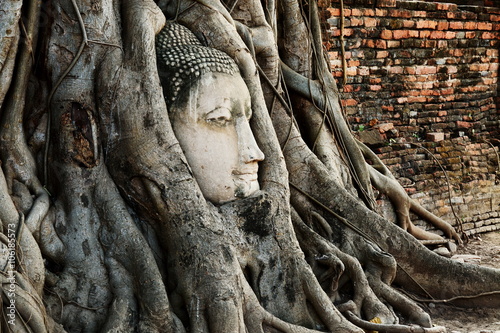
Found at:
[422, 91]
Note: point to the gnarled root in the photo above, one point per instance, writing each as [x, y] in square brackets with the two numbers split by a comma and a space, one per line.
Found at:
[385, 182]
[363, 297]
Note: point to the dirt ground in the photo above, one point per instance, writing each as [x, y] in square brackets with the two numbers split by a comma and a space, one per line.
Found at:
[462, 320]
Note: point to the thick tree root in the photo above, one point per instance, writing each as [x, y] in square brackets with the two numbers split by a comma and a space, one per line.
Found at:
[391, 328]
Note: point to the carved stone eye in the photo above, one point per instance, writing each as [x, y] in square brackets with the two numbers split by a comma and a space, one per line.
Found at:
[219, 117]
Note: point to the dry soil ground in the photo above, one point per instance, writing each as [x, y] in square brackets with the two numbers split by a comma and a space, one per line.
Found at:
[460, 320]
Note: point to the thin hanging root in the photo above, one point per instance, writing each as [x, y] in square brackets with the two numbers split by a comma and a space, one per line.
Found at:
[393, 328]
[384, 181]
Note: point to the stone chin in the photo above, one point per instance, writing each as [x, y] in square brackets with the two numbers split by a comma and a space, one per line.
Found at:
[245, 187]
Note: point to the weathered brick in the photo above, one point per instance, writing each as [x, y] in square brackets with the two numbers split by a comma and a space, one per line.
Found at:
[386, 34]
[484, 25]
[382, 54]
[437, 35]
[470, 25]
[425, 34]
[422, 70]
[426, 24]
[349, 102]
[489, 35]
[450, 34]
[443, 25]
[456, 25]
[386, 3]
[393, 44]
[381, 44]
[470, 34]
[371, 22]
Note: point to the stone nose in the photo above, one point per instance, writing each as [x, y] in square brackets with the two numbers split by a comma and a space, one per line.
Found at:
[249, 150]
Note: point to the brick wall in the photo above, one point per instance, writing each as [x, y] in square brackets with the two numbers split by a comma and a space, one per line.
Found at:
[422, 87]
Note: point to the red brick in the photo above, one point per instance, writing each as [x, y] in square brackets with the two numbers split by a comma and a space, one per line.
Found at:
[484, 26]
[470, 34]
[395, 70]
[442, 44]
[451, 69]
[363, 71]
[470, 25]
[443, 25]
[381, 44]
[450, 34]
[380, 12]
[426, 24]
[400, 34]
[423, 70]
[356, 12]
[446, 6]
[348, 32]
[386, 34]
[411, 71]
[464, 124]
[349, 102]
[335, 32]
[456, 25]
[386, 3]
[435, 137]
[419, 99]
[447, 91]
[369, 43]
[368, 12]
[413, 33]
[408, 23]
[495, 18]
[356, 22]
[348, 88]
[371, 22]
[425, 34]
[375, 87]
[351, 71]
[382, 54]
[400, 13]
[336, 12]
[489, 35]
[419, 13]
[393, 44]
[437, 35]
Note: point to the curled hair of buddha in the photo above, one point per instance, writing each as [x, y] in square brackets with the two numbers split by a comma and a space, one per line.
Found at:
[182, 60]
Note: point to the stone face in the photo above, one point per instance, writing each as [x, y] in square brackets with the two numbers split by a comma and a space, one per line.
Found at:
[214, 132]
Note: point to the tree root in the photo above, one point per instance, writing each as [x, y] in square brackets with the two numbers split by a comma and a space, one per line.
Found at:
[363, 299]
[380, 176]
[391, 328]
[384, 181]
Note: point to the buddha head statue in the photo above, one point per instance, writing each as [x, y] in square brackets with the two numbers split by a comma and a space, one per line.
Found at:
[209, 108]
